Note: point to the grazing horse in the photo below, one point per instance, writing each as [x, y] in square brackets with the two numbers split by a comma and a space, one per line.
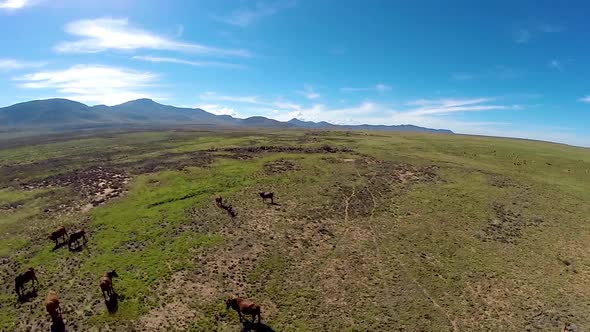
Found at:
[23, 278]
[219, 201]
[106, 284]
[59, 233]
[52, 305]
[76, 236]
[243, 306]
[267, 195]
[230, 211]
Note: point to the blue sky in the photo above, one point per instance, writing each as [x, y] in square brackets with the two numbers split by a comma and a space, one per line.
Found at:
[502, 68]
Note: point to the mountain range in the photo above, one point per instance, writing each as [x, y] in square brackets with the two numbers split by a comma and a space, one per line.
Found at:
[67, 114]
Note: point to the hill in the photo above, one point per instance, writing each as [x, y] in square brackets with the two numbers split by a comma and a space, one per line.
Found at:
[67, 114]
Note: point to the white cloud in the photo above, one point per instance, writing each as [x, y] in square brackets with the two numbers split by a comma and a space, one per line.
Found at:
[550, 28]
[448, 106]
[309, 92]
[92, 83]
[522, 36]
[585, 99]
[462, 76]
[219, 110]
[97, 35]
[239, 99]
[13, 64]
[378, 87]
[556, 64]
[245, 16]
[157, 59]
[382, 88]
[14, 4]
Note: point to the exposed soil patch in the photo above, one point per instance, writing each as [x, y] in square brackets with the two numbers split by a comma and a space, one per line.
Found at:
[503, 182]
[172, 316]
[11, 206]
[287, 149]
[280, 166]
[94, 185]
[506, 226]
[168, 161]
[399, 173]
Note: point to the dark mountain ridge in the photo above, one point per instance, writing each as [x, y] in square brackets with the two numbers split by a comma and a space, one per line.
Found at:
[64, 114]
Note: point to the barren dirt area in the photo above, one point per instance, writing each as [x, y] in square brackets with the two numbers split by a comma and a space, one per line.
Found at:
[366, 232]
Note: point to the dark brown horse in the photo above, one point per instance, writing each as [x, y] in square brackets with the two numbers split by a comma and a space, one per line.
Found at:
[59, 233]
[52, 305]
[106, 284]
[219, 201]
[244, 306]
[267, 195]
[23, 278]
[75, 238]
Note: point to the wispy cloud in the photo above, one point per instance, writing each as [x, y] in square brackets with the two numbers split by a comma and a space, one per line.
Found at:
[308, 92]
[378, 87]
[556, 64]
[98, 35]
[522, 36]
[448, 106]
[14, 4]
[525, 34]
[462, 76]
[157, 59]
[210, 95]
[13, 64]
[245, 16]
[585, 99]
[92, 83]
[219, 110]
[551, 28]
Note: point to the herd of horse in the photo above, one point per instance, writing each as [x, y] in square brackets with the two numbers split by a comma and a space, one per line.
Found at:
[60, 237]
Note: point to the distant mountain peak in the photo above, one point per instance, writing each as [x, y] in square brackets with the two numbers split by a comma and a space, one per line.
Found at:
[68, 114]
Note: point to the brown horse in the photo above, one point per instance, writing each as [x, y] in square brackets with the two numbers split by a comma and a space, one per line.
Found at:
[106, 284]
[267, 195]
[23, 278]
[243, 306]
[59, 233]
[219, 201]
[52, 305]
[76, 236]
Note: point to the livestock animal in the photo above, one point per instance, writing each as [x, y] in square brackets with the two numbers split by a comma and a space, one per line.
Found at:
[59, 233]
[52, 305]
[267, 195]
[106, 284]
[76, 236]
[23, 278]
[219, 201]
[244, 306]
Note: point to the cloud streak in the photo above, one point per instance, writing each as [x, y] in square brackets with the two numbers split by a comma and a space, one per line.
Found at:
[219, 110]
[92, 83]
[378, 87]
[244, 17]
[102, 34]
[156, 59]
[309, 93]
[13, 64]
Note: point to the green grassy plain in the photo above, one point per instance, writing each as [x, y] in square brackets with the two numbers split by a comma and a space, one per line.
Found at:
[374, 232]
